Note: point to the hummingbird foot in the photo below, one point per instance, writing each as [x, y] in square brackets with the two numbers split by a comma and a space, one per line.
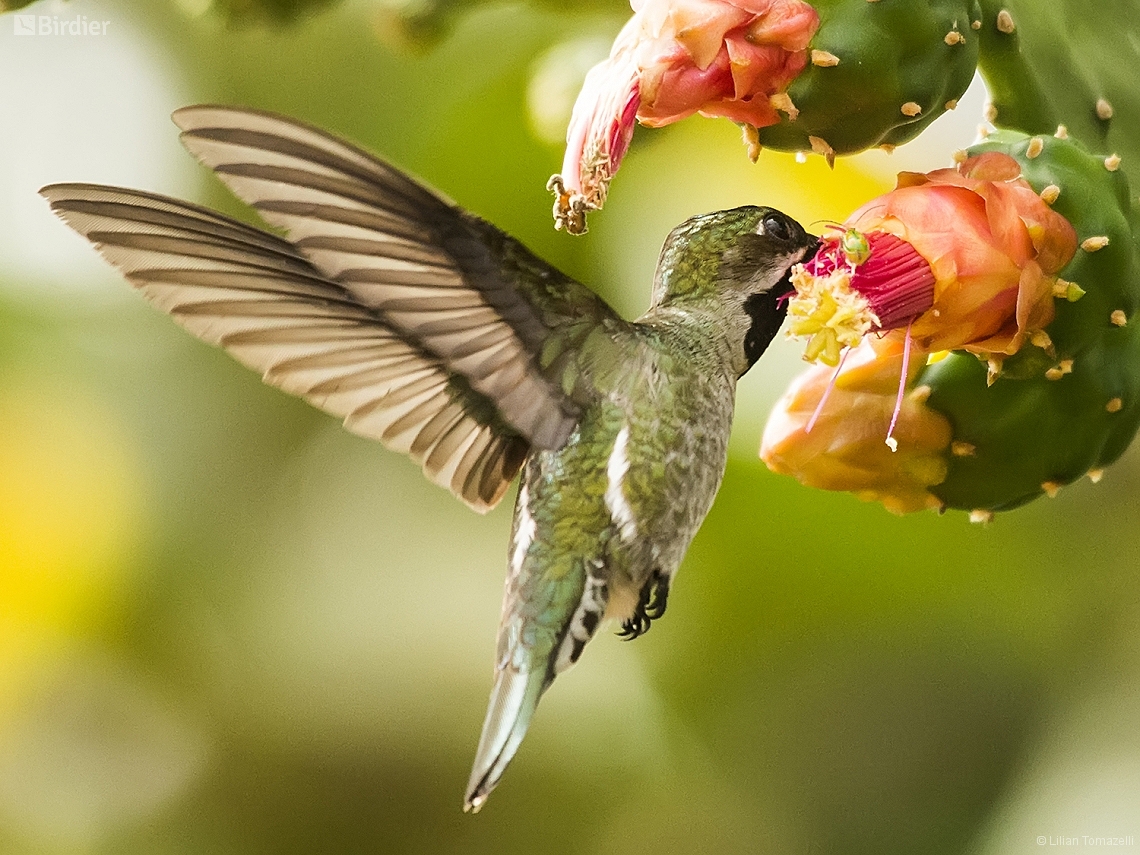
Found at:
[651, 605]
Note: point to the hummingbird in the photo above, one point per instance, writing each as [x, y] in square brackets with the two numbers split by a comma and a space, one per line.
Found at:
[429, 329]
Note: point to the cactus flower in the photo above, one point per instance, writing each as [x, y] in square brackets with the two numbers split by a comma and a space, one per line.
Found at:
[1065, 404]
[731, 58]
[857, 284]
[845, 449]
[963, 259]
[957, 259]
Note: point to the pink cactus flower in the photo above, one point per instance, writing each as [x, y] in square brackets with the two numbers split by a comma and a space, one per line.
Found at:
[967, 261]
[957, 259]
[732, 58]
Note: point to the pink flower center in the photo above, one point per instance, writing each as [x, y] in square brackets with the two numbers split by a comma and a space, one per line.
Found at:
[855, 284]
[895, 279]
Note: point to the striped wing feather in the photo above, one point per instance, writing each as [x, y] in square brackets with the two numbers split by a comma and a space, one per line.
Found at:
[461, 289]
[253, 294]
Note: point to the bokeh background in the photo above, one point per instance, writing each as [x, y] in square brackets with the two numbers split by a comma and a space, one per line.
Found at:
[228, 626]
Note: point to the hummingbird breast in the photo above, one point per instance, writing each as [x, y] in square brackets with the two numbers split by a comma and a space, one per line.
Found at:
[602, 523]
[617, 506]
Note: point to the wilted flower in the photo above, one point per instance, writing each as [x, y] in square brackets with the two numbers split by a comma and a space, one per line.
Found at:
[732, 58]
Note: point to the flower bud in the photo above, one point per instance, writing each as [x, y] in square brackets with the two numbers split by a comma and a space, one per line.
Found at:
[844, 450]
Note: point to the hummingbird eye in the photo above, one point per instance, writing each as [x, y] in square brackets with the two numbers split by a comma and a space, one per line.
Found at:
[776, 227]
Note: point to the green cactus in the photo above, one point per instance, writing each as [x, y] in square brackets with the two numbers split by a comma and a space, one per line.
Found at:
[1031, 434]
[1058, 412]
[1069, 403]
[900, 66]
[1070, 62]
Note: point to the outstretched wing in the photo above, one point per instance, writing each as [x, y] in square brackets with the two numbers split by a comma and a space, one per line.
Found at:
[464, 291]
[255, 295]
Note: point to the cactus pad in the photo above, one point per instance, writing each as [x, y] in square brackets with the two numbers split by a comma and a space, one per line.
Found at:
[880, 73]
[1070, 407]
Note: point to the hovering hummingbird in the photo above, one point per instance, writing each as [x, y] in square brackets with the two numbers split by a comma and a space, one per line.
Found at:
[431, 330]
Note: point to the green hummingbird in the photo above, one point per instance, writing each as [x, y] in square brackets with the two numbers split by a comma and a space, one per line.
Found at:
[429, 329]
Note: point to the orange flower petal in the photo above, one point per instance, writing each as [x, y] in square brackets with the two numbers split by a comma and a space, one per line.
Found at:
[700, 26]
[845, 449]
[979, 238]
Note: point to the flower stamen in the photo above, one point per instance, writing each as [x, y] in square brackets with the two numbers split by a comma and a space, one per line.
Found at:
[830, 312]
[857, 283]
[827, 392]
[893, 443]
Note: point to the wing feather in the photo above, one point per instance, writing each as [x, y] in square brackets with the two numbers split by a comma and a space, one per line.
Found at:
[439, 275]
[428, 439]
[253, 294]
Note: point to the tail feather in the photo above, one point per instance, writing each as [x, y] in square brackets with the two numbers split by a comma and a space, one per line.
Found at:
[513, 701]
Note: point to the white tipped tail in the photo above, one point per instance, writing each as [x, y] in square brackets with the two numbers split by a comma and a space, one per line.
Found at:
[513, 701]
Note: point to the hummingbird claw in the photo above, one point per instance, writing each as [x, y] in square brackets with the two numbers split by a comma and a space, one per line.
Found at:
[651, 605]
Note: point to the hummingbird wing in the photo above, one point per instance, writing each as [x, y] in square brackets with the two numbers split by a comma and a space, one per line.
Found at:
[460, 288]
[448, 396]
[416, 322]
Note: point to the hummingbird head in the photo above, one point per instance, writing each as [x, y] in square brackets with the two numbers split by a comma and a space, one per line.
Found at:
[735, 267]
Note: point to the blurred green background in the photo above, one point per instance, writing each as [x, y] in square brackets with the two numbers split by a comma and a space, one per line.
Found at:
[228, 626]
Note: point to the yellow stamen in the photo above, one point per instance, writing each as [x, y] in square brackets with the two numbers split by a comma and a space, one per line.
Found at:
[829, 312]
